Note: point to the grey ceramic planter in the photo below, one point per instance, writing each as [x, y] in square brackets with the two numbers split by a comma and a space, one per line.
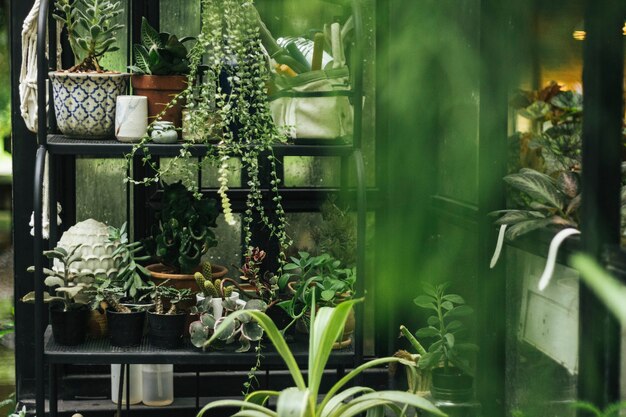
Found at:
[84, 103]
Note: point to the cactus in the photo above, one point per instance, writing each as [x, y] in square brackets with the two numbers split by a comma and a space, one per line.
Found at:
[207, 270]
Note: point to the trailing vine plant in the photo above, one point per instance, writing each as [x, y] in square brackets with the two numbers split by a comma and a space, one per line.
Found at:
[232, 68]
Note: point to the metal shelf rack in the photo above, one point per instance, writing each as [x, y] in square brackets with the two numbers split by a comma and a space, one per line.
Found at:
[48, 353]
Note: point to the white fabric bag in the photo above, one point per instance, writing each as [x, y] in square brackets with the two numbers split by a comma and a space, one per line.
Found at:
[314, 105]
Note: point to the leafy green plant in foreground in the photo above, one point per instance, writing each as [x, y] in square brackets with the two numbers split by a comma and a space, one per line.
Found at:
[302, 399]
[445, 328]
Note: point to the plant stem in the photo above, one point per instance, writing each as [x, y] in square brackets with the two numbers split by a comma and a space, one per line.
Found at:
[417, 345]
[442, 331]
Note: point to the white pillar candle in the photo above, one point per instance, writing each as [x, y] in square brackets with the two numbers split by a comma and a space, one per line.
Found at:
[131, 118]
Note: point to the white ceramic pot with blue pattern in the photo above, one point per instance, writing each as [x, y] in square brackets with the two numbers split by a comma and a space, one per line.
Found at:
[84, 103]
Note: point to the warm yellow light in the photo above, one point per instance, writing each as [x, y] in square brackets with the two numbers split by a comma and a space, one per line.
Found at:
[579, 35]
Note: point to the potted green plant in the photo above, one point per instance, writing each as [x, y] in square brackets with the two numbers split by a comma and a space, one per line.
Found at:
[68, 307]
[183, 234]
[244, 329]
[85, 94]
[317, 280]
[166, 322]
[160, 72]
[452, 377]
[122, 295]
[306, 398]
[227, 84]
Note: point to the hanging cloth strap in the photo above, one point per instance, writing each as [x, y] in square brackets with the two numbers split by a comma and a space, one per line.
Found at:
[28, 71]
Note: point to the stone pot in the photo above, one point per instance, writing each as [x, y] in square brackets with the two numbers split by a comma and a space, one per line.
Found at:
[84, 103]
[160, 90]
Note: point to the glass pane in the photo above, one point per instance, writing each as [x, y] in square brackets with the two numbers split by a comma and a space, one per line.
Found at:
[116, 61]
[309, 171]
[179, 170]
[228, 249]
[100, 190]
[542, 339]
[210, 173]
[181, 17]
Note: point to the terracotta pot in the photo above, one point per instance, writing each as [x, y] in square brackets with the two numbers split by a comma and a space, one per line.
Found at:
[160, 273]
[160, 90]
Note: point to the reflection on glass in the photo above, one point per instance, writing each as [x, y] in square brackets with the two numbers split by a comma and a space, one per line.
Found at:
[542, 337]
[180, 170]
[210, 174]
[100, 190]
[116, 61]
[228, 249]
[309, 171]
[181, 17]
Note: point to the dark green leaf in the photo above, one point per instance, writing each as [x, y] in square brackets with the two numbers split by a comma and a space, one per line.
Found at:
[426, 332]
[449, 340]
[454, 298]
[149, 36]
[424, 301]
[459, 311]
[538, 186]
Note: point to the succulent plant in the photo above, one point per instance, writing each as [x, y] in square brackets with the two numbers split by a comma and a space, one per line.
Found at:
[129, 277]
[91, 30]
[160, 53]
[162, 293]
[69, 290]
[183, 233]
[210, 287]
[244, 329]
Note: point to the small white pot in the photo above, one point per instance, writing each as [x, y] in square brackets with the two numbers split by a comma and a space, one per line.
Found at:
[131, 118]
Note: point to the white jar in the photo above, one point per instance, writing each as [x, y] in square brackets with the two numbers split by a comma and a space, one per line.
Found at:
[158, 384]
[135, 384]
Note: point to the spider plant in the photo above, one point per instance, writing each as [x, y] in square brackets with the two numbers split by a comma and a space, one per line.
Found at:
[302, 399]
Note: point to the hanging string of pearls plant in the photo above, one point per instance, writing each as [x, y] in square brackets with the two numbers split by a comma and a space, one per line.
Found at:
[227, 90]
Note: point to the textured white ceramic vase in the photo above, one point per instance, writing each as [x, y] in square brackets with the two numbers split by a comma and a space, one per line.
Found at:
[96, 249]
[131, 118]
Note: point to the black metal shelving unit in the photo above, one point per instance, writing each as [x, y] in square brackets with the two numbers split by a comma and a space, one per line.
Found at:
[56, 147]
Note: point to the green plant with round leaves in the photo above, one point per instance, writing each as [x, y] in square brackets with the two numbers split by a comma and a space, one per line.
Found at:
[304, 398]
[183, 230]
[244, 329]
[444, 326]
[160, 53]
[319, 280]
[91, 30]
[68, 289]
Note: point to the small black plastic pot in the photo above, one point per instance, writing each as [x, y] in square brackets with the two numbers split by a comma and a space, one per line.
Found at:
[125, 329]
[69, 327]
[166, 330]
[453, 386]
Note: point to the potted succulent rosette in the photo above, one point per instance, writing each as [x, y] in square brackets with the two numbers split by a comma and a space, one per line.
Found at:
[85, 94]
[166, 321]
[68, 305]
